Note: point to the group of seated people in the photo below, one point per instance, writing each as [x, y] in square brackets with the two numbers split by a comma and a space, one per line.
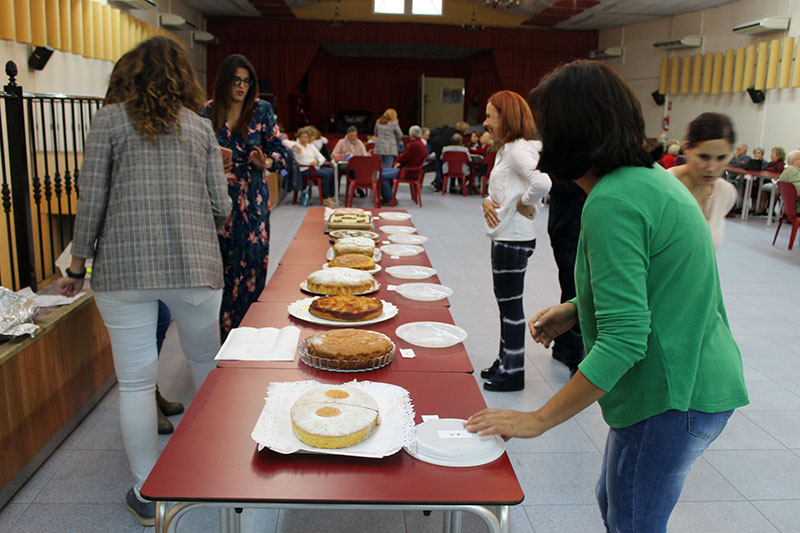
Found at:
[310, 150]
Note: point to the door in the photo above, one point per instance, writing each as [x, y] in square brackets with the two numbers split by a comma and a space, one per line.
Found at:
[442, 101]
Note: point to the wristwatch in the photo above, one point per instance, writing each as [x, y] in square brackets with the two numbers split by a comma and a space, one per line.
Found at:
[75, 275]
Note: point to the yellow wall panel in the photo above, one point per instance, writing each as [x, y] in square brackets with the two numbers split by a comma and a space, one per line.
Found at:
[76, 18]
[124, 32]
[53, 24]
[761, 66]
[88, 28]
[662, 78]
[727, 71]
[65, 13]
[97, 25]
[686, 74]
[108, 53]
[7, 20]
[716, 78]
[116, 41]
[38, 23]
[796, 72]
[22, 21]
[708, 68]
[749, 67]
[772, 66]
[674, 75]
[786, 62]
[738, 71]
[697, 73]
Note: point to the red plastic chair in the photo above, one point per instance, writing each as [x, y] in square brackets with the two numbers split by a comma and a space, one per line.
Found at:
[488, 160]
[789, 213]
[310, 179]
[413, 176]
[364, 172]
[454, 161]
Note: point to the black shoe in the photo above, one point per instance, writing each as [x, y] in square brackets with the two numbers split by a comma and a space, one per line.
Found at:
[488, 373]
[145, 513]
[505, 385]
[437, 189]
[360, 193]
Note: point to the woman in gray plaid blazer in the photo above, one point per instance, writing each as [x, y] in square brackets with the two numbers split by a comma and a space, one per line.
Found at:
[153, 192]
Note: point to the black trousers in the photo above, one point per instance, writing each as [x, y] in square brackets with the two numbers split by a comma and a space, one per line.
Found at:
[564, 226]
[509, 262]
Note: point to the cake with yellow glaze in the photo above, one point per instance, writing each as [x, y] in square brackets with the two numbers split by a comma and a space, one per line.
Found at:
[357, 261]
[334, 416]
[340, 281]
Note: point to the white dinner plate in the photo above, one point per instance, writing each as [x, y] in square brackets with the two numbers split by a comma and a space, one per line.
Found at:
[431, 334]
[391, 230]
[424, 292]
[394, 215]
[402, 250]
[299, 309]
[405, 238]
[411, 271]
[376, 254]
[304, 287]
[373, 271]
[445, 442]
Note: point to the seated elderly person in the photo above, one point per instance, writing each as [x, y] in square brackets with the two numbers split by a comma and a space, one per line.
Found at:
[308, 156]
[413, 156]
[455, 146]
[791, 172]
[349, 145]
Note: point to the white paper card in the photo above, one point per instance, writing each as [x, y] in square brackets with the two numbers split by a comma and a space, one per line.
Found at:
[49, 300]
[408, 353]
[455, 434]
[260, 344]
[387, 242]
[425, 418]
[391, 287]
[395, 256]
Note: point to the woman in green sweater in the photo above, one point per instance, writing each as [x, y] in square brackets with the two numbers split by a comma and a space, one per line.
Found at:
[660, 357]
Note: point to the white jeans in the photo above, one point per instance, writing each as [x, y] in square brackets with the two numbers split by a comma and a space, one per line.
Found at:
[130, 317]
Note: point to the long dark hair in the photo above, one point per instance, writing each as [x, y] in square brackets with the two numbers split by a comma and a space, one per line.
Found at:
[222, 93]
[589, 120]
[710, 126]
[160, 80]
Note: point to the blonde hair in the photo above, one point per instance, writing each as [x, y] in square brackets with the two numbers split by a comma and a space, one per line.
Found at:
[673, 149]
[390, 115]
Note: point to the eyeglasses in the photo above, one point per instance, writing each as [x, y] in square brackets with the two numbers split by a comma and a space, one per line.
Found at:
[239, 82]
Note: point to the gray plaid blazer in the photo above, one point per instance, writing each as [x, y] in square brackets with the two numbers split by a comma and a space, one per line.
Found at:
[147, 209]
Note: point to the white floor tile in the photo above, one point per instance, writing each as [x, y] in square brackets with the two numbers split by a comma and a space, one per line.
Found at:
[783, 514]
[718, 517]
[759, 474]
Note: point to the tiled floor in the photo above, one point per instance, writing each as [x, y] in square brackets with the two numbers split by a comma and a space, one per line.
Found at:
[748, 481]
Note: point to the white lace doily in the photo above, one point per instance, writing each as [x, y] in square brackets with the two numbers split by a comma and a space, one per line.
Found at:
[395, 430]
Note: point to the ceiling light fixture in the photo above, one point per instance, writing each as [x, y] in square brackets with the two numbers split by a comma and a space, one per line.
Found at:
[473, 22]
[502, 3]
[337, 19]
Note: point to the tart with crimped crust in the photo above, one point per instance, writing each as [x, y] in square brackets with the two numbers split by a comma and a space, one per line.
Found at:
[346, 308]
[357, 261]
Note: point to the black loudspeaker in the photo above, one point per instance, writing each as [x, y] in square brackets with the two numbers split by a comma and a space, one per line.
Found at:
[658, 98]
[39, 57]
[756, 96]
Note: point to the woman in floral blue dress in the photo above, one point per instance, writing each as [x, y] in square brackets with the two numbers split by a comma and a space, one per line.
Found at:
[246, 126]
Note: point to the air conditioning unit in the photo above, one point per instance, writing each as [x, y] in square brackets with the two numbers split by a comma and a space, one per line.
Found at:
[203, 37]
[692, 41]
[175, 22]
[134, 4]
[612, 51]
[765, 25]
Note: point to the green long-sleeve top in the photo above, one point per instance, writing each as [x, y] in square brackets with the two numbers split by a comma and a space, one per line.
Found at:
[649, 301]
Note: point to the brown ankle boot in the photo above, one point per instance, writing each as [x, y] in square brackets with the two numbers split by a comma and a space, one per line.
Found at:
[167, 407]
[164, 426]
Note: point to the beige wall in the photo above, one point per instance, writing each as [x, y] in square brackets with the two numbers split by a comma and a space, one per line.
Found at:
[77, 75]
[775, 122]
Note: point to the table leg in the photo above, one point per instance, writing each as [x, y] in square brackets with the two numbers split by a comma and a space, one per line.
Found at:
[771, 203]
[161, 516]
[505, 518]
[748, 186]
[455, 522]
[448, 521]
[229, 520]
[758, 193]
[336, 182]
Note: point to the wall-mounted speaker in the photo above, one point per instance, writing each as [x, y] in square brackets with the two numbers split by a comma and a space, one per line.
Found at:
[39, 57]
[756, 96]
[658, 98]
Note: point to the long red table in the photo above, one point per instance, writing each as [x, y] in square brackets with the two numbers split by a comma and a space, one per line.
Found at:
[451, 359]
[211, 460]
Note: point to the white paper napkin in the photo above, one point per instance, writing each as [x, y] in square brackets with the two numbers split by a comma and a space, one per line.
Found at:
[260, 344]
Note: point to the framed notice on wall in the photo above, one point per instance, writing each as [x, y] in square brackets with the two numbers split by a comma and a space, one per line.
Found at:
[452, 95]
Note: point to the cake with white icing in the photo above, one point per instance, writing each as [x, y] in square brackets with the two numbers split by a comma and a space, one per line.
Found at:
[340, 281]
[334, 416]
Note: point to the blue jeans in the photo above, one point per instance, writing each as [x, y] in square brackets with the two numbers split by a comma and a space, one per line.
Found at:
[388, 175]
[326, 175]
[387, 161]
[646, 464]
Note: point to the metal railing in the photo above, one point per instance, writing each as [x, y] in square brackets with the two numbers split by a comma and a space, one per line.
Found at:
[41, 149]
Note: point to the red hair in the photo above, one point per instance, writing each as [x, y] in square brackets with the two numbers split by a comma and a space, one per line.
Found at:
[516, 119]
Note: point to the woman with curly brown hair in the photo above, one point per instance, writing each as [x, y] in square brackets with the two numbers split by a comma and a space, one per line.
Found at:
[152, 196]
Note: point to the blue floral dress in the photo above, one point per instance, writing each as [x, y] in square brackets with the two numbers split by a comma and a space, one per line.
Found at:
[244, 239]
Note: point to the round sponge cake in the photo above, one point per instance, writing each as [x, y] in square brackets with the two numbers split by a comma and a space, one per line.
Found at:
[334, 416]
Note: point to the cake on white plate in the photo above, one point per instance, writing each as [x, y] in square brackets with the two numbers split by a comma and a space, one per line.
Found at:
[338, 280]
[354, 245]
[334, 416]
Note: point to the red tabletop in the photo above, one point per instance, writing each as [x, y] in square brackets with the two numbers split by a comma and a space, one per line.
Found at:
[451, 359]
[284, 286]
[211, 456]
